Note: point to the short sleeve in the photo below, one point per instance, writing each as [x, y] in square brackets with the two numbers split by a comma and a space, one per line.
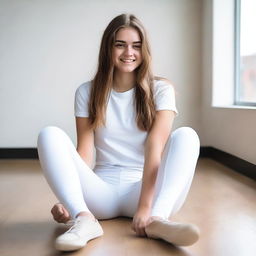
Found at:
[165, 96]
[82, 97]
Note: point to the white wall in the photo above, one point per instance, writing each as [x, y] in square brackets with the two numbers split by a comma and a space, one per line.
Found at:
[227, 129]
[48, 48]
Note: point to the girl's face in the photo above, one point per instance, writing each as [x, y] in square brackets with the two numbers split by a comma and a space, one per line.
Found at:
[126, 52]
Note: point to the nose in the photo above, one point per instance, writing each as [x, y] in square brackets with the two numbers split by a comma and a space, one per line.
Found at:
[129, 50]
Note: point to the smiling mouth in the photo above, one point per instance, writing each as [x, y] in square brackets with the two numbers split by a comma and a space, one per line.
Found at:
[127, 60]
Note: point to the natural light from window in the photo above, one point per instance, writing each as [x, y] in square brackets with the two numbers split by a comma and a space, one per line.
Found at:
[246, 83]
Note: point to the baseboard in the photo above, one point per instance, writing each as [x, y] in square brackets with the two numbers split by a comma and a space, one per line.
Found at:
[246, 168]
[18, 153]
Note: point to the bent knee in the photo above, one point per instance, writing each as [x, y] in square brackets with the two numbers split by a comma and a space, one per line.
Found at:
[187, 133]
[48, 132]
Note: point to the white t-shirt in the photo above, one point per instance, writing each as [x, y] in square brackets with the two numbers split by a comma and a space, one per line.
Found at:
[121, 143]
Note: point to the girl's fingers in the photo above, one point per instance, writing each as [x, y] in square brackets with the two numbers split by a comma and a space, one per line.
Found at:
[59, 209]
[62, 220]
[63, 214]
[66, 213]
[62, 211]
[143, 232]
[140, 230]
[56, 213]
[60, 214]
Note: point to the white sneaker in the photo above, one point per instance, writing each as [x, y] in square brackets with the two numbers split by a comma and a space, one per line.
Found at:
[179, 234]
[83, 230]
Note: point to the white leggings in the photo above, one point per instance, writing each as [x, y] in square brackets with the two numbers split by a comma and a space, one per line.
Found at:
[108, 193]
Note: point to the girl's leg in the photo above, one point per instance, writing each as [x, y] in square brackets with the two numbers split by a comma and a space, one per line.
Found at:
[173, 182]
[176, 172]
[76, 186]
[174, 178]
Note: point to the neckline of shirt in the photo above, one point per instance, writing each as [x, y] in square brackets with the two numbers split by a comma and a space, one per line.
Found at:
[123, 94]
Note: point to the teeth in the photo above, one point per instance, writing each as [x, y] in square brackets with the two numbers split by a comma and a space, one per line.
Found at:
[127, 60]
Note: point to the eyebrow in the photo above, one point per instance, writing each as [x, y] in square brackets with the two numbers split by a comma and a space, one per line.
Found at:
[121, 41]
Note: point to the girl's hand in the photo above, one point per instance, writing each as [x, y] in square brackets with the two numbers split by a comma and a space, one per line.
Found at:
[60, 214]
[140, 220]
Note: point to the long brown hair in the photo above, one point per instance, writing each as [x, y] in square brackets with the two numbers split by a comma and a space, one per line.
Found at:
[103, 80]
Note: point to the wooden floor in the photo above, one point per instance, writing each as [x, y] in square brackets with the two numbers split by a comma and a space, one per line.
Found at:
[221, 202]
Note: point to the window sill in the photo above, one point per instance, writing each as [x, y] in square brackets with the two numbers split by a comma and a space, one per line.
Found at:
[236, 107]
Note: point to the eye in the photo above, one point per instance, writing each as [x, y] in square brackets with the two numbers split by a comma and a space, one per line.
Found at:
[138, 46]
[119, 45]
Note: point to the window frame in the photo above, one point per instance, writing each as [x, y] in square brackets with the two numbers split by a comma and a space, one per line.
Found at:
[237, 57]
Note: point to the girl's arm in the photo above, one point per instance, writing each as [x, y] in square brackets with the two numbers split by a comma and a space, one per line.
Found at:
[85, 140]
[154, 147]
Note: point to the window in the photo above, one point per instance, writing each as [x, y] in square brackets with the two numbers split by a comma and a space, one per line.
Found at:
[245, 53]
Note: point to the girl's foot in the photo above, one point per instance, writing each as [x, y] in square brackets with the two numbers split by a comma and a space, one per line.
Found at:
[84, 229]
[179, 234]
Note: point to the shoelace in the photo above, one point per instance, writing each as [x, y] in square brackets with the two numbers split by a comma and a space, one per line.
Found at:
[76, 228]
[70, 222]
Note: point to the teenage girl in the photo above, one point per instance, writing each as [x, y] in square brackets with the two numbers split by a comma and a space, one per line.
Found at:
[142, 170]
